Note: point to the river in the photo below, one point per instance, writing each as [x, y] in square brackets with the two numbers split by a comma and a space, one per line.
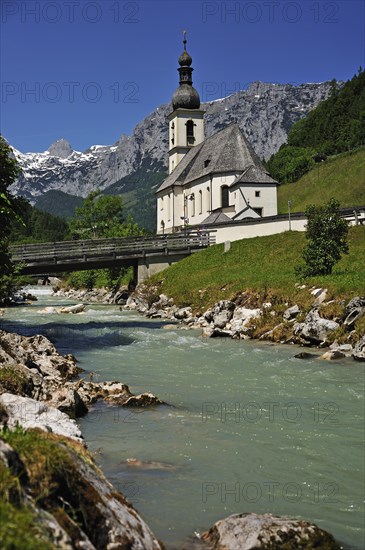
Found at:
[250, 427]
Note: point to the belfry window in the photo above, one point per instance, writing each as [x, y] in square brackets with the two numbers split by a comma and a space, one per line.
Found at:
[225, 196]
[190, 139]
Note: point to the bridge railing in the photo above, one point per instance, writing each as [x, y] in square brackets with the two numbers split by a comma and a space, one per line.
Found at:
[121, 246]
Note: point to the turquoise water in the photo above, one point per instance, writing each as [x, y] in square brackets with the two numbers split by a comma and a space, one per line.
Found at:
[250, 428]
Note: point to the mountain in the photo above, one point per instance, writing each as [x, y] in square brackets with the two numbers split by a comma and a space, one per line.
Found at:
[265, 112]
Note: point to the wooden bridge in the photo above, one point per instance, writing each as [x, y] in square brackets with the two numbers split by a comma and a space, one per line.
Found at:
[147, 255]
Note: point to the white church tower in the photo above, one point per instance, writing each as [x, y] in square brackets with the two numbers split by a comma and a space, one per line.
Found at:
[186, 122]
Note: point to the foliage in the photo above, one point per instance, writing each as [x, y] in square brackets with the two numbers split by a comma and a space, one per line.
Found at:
[327, 239]
[102, 216]
[290, 163]
[327, 180]
[334, 126]
[11, 380]
[138, 192]
[9, 212]
[37, 226]
[58, 203]
[48, 474]
[264, 265]
[100, 278]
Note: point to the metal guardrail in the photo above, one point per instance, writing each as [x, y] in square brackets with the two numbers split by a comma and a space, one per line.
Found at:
[85, 250]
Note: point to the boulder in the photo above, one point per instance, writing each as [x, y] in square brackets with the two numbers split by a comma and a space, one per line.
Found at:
[143, 400]
[48, 310]
[213, 332]
[251, 531]
[208, 316]
[30, 413]
[291, 312]
[245, 314]
[77, 308]
[357, 302]
[79, 507]
[320, 295]
[182, 313]
[69, 402]
[36, 352]
[305, 355]
[359, 351]
[315, 330]
[222, 313]
[332, 355]
[355, 314]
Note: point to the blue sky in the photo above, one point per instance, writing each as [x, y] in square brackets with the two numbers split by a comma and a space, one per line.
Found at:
[89, 71]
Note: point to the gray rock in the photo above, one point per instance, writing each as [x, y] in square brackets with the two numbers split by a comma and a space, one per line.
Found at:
[320, 295]
[77, 308]
[105, 519]
[71, 404]
[355, 314]
[357, 302]
[266, 531]
[183, 313]
[29, 413]
[143, 400]
[207, 332]
[305, 355]
[315, 330]
[221, 319]
[359, 351]
[245, 314]
[291, 312]
[222, 313]
[208, 316]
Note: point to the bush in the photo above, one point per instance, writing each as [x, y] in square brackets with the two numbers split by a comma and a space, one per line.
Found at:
[327, 239]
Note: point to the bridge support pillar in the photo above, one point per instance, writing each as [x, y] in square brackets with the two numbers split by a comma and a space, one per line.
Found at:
[149, 265]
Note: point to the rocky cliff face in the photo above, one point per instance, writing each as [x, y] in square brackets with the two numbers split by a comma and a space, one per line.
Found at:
[265, 112]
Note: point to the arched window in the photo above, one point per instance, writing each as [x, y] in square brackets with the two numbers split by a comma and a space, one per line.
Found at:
[224, 196]
[168, 207]
[200, 201]
[192, 199]
[190, 139]
[208, 200]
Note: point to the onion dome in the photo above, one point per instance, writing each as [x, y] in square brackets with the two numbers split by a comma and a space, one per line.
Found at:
[186, 96]
[185, 60]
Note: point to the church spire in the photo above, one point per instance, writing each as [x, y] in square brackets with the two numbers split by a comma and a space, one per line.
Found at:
[185, 97]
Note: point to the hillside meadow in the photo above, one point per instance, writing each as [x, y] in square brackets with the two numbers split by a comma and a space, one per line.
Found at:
[263, 266]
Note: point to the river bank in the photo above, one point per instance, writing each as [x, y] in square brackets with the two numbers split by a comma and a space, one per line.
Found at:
[336, 325]
[83, 319]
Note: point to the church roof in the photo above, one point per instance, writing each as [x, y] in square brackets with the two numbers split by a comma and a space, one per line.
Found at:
[226, 151]
[254, 174]
[216, 217]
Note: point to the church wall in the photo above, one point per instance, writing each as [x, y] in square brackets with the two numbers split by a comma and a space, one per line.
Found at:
[267, 199]
[256, 229]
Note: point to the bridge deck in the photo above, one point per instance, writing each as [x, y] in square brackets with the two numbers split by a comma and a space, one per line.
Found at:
[89, 254]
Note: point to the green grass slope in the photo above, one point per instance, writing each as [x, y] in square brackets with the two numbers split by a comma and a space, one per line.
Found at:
[264, 265]
[341, 176]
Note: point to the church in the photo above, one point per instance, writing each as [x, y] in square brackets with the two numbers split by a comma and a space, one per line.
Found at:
[211, 181]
